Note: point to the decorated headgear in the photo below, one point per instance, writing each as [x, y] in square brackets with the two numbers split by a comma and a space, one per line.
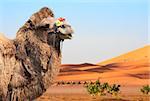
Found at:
[61, 19]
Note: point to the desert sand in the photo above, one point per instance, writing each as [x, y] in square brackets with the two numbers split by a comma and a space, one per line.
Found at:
[130, 70]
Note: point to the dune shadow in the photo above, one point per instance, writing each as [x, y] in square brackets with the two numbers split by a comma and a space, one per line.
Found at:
[79, 65]
[145, 75]
[111, 65]
[99, 70]
[74, 69]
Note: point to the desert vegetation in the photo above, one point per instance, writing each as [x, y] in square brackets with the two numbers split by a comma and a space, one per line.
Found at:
[145, 89]
[98, 88]
[95, 88]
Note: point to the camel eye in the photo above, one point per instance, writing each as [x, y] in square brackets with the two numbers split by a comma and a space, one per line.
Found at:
[62, 26]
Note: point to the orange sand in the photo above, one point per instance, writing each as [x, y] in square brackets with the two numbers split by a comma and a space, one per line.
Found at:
[130, 70]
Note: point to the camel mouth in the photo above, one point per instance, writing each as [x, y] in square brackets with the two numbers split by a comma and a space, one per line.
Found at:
[66, 36]
[69, 36]
[65, 32]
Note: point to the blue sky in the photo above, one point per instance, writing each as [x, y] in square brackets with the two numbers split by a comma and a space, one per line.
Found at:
[103, 28]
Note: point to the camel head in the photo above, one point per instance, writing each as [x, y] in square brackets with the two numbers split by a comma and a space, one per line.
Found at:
[46, 28]
[65, 31]
[58, 26]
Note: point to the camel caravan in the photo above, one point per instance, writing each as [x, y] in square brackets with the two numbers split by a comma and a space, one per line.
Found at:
[30, 62]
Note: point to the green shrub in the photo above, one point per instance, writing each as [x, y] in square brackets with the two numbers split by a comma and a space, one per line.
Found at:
[114, 89]
[92, 89]
[97, 88]
[103, 88]
[97, 82]
[145, 89]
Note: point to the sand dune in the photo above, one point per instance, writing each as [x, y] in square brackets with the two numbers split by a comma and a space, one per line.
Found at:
[131, 70]
[128, 69]
[133, 56]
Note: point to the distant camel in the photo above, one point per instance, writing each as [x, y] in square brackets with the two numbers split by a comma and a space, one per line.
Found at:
[29, 63]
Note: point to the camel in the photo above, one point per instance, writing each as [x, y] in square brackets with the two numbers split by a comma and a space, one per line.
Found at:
[30, 62]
